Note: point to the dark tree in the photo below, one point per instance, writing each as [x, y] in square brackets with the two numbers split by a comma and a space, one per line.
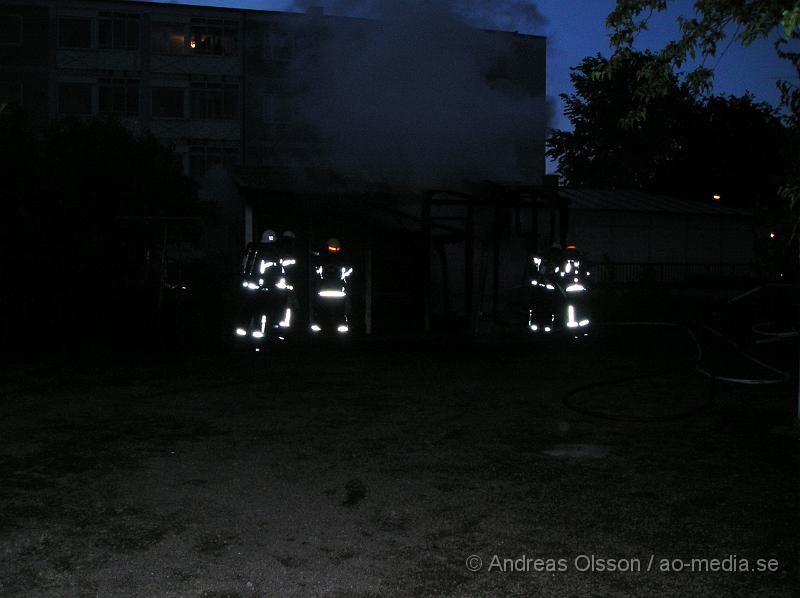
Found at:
[736, 147]
[69, 253]
[678, 144]
[600, 151]
[704, 34]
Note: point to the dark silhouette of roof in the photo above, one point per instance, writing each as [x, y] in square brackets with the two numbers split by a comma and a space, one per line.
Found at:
[620, 200]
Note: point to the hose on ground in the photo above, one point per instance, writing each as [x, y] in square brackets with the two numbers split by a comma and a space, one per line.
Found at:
[568, 401]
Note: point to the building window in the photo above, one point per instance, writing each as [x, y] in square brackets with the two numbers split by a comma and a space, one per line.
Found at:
[214, 36]
[168, 102]
[203, 158]
[277, 109]
[278, 45]
[10, 93]
[119, 97]
[168, 38]
[75, 99]
[278, 116]
[118, 31]
[74, 32]
[10, 30]
[215, 100]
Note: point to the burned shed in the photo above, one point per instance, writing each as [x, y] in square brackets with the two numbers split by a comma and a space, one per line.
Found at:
[322, 124]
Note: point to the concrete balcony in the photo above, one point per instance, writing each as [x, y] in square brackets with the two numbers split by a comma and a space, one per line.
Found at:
[94, 60]
[228, 66]
[174, 128]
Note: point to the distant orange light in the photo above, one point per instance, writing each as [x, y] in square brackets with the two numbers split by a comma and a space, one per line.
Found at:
[717, 197]
[334, 249]
[571, 247]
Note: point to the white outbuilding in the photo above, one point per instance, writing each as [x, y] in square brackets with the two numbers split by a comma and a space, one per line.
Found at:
[627, 233]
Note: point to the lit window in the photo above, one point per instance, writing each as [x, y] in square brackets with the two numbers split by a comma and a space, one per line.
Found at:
[214, 36]
[10, 30]
[74, 32]
[168, 38]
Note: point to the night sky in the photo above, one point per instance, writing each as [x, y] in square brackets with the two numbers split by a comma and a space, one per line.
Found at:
[576, 29]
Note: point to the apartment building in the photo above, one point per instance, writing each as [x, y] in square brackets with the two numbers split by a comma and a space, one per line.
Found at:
[210, 82]
[230, 87]
[171, 70]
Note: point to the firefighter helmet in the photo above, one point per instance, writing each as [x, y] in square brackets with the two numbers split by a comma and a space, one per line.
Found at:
[333, 245]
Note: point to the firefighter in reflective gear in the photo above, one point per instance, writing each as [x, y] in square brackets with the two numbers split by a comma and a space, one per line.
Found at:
[331, 308]
[558, 291]
[287, 259]
[287, 255]
[263, 285]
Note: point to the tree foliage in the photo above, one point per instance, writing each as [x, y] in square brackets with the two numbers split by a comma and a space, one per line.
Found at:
[67, 192]
[598, 151]
[701, 37]
[683, 145]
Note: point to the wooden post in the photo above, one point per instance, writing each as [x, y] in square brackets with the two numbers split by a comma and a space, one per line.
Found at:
[368, 277]
[550, 184]
[310, 271]
[248, 223]
[426, 266]
[162, 276]
[796, 423]
[469, 266]
[495, 262]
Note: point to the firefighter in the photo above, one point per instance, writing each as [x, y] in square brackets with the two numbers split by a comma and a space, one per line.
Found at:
[543, 295]
[287, 260]
[260, 276]
[558, 291]
[332, 272]
[287, 255]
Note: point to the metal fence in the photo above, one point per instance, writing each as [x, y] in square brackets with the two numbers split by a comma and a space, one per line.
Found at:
[671, 272]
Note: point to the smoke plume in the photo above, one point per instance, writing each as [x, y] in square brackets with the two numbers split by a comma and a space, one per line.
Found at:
[420, 95]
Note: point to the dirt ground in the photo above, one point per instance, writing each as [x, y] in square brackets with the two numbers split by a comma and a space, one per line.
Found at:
[377, 469]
